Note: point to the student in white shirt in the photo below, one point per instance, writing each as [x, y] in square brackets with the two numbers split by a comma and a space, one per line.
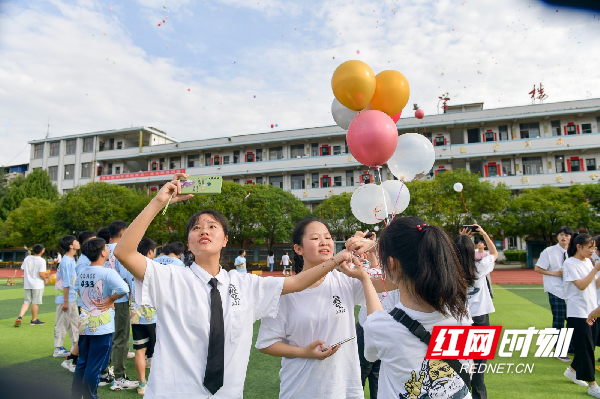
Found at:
[314, 319]
[550, 265]
[422, 260]
[34, 280]
[271, 260]
[479, 297]
[203, 309]
[285, 262]
[240, 262]
[580, 283]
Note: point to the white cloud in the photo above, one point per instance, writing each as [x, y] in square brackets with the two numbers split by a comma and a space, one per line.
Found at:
[55, 63]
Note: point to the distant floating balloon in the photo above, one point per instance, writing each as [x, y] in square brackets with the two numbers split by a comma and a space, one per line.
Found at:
[419, 114]
[158, 24]
[189, 89]
[357, 51]
[110, 9]
[458, 187]
[254, 96]
[272, 126]
[276, 125]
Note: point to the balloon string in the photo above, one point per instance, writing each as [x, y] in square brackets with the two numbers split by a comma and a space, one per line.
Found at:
[464, 203]
[378, 169]
[397, 199]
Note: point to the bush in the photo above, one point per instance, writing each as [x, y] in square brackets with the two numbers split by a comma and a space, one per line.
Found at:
[516, 255]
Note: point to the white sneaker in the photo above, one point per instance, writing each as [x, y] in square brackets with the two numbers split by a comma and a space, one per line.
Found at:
[130, 355]
[148, 362]
[69, 365]
[594, 391]
[570, 374]
[123, 383]
[61, 352]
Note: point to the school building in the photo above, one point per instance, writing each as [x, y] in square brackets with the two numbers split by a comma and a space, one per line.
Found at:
[525, 146]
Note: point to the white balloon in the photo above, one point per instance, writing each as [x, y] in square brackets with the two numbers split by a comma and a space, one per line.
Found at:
[370, 203]
[413, 158]
[342, 115]
[397, 191]
[458, 187]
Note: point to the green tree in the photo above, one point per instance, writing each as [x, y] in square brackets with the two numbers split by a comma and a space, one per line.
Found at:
[37, 184]
[95, 205]
[336, 212]
[33, 222]
[3, 183]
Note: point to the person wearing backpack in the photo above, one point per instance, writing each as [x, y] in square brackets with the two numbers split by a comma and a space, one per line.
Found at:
[422, 260]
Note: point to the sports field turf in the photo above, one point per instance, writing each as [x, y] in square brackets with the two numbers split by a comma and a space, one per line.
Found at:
[26, 364]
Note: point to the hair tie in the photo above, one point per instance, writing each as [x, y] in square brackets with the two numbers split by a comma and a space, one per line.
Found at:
[421, 227]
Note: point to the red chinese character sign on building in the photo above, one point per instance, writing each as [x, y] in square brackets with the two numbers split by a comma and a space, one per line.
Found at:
[141, 174]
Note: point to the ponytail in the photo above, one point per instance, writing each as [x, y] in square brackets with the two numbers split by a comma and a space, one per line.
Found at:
[426, 259]
[298, 263]
[578, 239]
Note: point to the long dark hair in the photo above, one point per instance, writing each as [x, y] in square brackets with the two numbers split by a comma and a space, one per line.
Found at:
[297, 236]
[425, 258]
[466, 254]
[581, 239]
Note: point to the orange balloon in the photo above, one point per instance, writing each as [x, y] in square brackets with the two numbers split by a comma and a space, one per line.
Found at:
[52, 278]
[391, 93]
[353, 84]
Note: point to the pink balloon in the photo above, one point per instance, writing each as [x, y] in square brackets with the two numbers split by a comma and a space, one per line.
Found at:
[396, 117]
[372, 137]
[419, 114]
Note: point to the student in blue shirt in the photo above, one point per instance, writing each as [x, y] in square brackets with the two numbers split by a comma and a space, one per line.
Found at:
[172, 254]
[66, 297]
[98, 288]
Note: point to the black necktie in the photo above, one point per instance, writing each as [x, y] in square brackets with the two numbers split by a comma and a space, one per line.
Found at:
[215, 362]
[565, 256]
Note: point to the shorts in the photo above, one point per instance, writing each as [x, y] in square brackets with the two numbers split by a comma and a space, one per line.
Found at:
[33, 296]
[144, 336]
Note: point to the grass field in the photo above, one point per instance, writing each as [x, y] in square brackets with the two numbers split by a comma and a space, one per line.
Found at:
[27, 365]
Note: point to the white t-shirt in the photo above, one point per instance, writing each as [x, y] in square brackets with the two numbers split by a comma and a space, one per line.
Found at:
[271, 259]
[323, 313]
[403, 354]
[580, 303]
[181, 297]
[33, 266]
[362, 314]
[286, 260]
[478, 295]
[552, 259]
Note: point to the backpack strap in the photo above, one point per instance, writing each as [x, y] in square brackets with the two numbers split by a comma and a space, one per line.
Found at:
[417, 329]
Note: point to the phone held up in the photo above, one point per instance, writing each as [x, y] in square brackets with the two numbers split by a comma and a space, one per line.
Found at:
[471, 227]
[201, 185]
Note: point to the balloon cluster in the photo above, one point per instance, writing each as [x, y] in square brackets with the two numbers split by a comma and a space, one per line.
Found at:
[368, 107]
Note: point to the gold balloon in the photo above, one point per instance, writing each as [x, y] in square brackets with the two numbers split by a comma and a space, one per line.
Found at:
[52, 278]
[391, 93]
[353, 84]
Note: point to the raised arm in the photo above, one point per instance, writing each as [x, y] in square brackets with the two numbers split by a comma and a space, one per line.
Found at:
[371, 297]
[358, 244]
[126, 251]
[583, 283]
[308, 277]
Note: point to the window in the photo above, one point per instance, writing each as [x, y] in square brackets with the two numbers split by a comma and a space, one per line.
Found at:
[226, 160]
[571, 129]
[337, 149]
[314, 150]
[236, 156]
[153, 166]
[555, 128]
[297, 150]
[54, 148]
[507, 167]
[473, 136]
[298, 182]
[88, 144]
[429, 136]
[276, 181]
[337, 181]
[119, 145]
[161, 164]
[366, 179]
[326, 181]
[532, 165]
[489, 136]
[492, 170]
[193, 161]
[38, 151]
[275, 153]
[259, 180]
[476, 167]
[259, 156]
[530, 130]
[349, 177]
[325, 150]
[117, 170]
[439, 140]
[590, 164]
[85, 170]
[69, 171]
[109, 169]
[99, 170]
[175, 163]
[315, 180]
[217, 160]
[111, 143]
[586, 128]
[559, 163]
[236, 181]
[53, 172]
[66, 190]
[575, 165]
[207, 159]
[503, 130]
[70, 147]
[249, 157]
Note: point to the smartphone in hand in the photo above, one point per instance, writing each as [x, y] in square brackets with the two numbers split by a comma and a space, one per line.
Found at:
[201, 185]
[471, 227]
[339, 343]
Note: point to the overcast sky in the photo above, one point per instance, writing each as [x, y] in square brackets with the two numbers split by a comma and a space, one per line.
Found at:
[229, 67]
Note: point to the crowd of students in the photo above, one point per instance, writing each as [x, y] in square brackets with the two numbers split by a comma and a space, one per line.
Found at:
[194, 324]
